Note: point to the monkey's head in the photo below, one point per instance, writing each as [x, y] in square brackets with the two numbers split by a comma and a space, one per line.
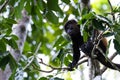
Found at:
[72, 28]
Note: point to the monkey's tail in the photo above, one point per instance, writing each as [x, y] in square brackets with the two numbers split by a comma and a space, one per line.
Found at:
[106, 62]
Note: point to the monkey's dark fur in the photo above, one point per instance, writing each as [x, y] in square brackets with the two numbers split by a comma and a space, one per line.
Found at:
[73, 30]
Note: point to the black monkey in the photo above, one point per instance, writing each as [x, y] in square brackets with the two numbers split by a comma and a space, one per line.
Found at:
[73, 30]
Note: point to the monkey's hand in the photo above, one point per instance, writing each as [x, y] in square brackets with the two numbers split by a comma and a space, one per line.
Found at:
[70, 67]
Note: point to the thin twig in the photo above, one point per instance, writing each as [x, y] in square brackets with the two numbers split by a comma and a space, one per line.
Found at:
[48, 71]
[53, 68]
[42, 70]
[38, 47]
[29, 63]
[111, 10]
[110, 5]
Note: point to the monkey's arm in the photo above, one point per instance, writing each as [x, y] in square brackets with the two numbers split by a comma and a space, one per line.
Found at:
[76, 56]
[73, 30]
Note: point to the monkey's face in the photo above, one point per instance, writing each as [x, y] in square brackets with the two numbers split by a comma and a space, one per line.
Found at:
[72, 29]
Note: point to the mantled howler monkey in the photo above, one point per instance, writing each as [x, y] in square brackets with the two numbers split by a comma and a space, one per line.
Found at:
[73, 30]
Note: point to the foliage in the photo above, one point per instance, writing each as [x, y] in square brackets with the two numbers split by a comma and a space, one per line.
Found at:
[48, 18]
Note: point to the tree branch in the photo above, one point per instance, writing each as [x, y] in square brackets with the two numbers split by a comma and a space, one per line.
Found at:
[52, 68]
[112, 13]
[81, 62]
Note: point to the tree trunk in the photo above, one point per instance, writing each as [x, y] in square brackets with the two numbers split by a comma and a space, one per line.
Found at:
[20, 30]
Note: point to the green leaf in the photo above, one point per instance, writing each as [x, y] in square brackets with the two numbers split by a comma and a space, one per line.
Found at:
[4, 61]
[27, 47]
[11, 42]
[28, 6]
[2, 46]
[85, 36]
[66, 61]
[87, 17]
[56, 78]
[12, 2]
[66, 1]
[116, 28]
[43, 78]
[104, 19]
[117, 37]
[117, 45]
[41, 4]
[52, 17]
[39, 14]
[108, 46]
[58, 41]
[6, 58]
[55, 62]
[10, 21]
[6, 25]
[98, 24]
[12, 63]
[19, 8]
[2, 55]
[108, 34]
[70, 57]
[85, 11]
[14, 37]
[75, 11]
[53, 5]
[117, 9]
